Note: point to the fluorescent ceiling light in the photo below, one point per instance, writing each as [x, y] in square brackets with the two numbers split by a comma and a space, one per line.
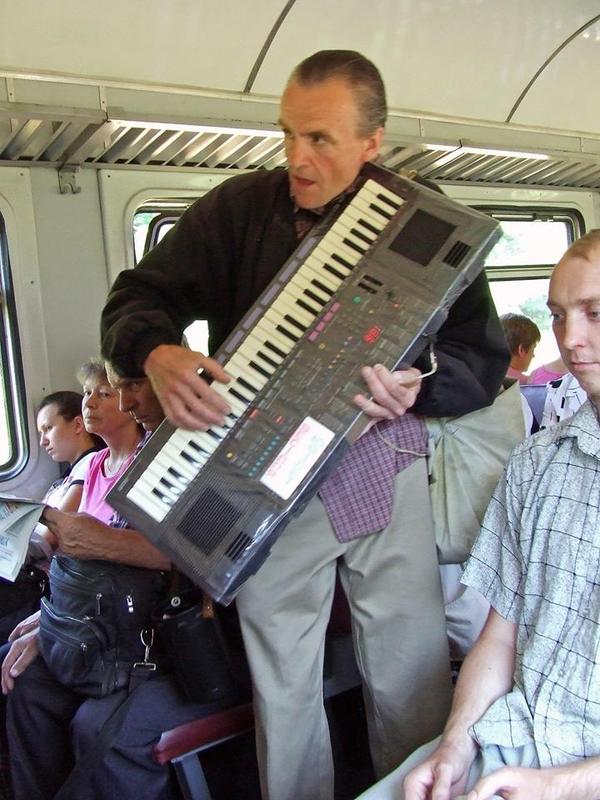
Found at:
[216, 129]
[491, 151]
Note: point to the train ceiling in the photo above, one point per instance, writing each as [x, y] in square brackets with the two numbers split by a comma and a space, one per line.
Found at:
[484, 91]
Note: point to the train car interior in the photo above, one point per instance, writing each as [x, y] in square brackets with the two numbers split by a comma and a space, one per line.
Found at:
[114, 117]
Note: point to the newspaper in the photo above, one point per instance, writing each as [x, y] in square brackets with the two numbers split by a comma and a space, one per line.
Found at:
[18, 518]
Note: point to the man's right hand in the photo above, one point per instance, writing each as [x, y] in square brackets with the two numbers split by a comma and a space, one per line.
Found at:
[187, 399]
[444, 774]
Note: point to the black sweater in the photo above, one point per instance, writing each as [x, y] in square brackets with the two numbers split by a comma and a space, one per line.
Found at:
[225, 250]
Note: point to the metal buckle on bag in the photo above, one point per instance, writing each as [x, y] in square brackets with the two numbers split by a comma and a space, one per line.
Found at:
[147, 639]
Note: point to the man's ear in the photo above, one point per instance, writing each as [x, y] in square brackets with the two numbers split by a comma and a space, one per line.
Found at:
[373, 144]
[78, 423]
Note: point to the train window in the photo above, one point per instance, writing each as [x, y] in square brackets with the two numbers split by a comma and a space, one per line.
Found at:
[520, 264]
[13, 436]
[150, 224]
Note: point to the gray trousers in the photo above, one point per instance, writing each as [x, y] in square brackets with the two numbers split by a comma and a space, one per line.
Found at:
[392, 583]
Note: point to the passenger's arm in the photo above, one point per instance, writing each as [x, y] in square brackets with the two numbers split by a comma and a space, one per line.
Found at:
[580, 781]
[83, 536]
[487, 673]
[68, 502]
[22, 652]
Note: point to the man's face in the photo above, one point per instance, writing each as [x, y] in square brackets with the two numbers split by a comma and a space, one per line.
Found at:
[137, 397]
[324, 150]
[574, 301]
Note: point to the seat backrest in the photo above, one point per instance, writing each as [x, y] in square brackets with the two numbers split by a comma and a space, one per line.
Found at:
[536, 397]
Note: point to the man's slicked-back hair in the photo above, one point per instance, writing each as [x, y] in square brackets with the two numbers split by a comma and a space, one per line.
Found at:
[360, 73]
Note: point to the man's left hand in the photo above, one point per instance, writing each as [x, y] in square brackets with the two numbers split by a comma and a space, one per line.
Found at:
[392, 393]
[78, 535]
[572, 782]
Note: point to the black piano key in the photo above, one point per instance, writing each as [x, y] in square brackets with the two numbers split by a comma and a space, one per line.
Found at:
[289, 318]
[258, 368]
[307, 307]
[360, 235]
[389, 201]
[287, 333]
[334, 271]
[354, 246]
[266, 358]
[342, 261]
[314, 297]
[195, 446]
[322, 288]
[380, 210]
[243, 382]
[190, 458]
[237, 395]
[162, 496]
[214, 435]
[274, 349]
[176, 474]
[366, 224]
[170, 486]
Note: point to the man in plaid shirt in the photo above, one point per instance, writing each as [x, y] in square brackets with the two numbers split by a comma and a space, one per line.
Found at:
[525, 721]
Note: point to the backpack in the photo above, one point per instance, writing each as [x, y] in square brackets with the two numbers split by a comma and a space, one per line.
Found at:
[96, 626]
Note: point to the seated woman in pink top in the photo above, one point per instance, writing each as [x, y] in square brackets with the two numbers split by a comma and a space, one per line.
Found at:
[548, 372]
[102, 416]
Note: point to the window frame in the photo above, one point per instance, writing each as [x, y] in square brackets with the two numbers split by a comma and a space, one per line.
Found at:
[11, 360]
[504, 212]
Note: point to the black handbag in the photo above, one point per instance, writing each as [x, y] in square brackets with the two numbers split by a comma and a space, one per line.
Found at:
[206, 667]
[96, 626]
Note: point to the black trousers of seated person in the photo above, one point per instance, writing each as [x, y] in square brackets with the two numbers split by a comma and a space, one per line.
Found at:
[51, 726]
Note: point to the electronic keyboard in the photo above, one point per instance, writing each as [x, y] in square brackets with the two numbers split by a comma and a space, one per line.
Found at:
[371, 283]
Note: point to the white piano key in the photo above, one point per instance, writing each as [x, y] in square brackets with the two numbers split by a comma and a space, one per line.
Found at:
[313, 270]
[266, 329]
[156, 472]
[300, 284]
[204, 440]
[325, 256]
[263, 340]
[363, 219]
[361, 236]
[251, 354]
[286, 329]
[286, 303]
[236, 405]
[333, 244]
[377, 189]
[152, 506]
[172, 454]
[365, 206]
[240, 370]
[282, 342]
[261, 346]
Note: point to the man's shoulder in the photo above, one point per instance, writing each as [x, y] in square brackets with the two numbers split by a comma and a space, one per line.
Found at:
[542, 447]
[249, 184]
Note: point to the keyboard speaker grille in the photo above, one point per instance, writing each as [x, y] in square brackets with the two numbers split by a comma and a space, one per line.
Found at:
[208, 521]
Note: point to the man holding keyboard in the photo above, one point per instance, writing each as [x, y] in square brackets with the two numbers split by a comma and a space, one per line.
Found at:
[372, 515]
